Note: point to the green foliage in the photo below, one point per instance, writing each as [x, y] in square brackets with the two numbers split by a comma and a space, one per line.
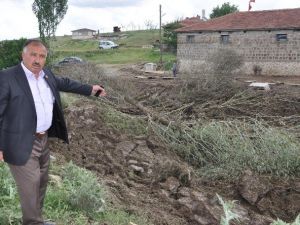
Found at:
[117, 217]
[226, 8]
[49, 15]
[170, 36]
[10, 52]
[67, 99]
[124, 122]
[228, 211]
[77, 200]
[9, 208]
[117, 56]
[225, 149]
[139, 38]
[83, 189]
[280, 222]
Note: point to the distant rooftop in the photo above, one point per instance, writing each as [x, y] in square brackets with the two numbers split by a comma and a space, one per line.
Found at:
[83, 29]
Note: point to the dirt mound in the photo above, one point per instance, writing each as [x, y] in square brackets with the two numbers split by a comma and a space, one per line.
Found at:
[146, 178]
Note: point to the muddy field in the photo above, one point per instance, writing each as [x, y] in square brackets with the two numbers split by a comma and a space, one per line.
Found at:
[145, 177]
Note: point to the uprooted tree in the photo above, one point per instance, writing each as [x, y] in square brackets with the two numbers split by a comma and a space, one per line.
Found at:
[49, 14]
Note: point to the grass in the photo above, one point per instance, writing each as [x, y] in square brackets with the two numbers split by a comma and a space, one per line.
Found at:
[10, 212]
[131, 49]
[117, 56]
[124, 123]
[139, 38]
[79, 199]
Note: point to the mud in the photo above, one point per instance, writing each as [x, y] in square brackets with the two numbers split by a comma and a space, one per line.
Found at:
[146, 178]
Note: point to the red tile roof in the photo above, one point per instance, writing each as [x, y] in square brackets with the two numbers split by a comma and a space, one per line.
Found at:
[250, 20]
[190, 21]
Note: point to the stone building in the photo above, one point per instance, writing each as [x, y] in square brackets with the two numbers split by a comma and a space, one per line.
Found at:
[83, 33]
[267, 39]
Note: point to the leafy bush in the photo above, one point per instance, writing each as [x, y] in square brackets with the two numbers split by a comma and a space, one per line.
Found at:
[10, 52]
[170, 36]
[83, 189]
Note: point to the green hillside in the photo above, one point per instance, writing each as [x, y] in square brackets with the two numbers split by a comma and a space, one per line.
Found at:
[133, 49]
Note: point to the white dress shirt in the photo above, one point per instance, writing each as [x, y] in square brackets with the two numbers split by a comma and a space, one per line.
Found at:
[43, 99]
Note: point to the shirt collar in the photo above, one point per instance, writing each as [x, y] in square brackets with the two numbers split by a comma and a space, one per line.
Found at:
[29, 74]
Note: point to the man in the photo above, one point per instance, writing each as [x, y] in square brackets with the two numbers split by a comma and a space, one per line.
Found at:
[174, 69]
[30, 111]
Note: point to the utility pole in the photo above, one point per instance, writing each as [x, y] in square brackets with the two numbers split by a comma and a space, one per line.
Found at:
[160, 38]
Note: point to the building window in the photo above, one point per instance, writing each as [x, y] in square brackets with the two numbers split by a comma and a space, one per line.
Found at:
[224, 39]
[281, 37]
[190, 38]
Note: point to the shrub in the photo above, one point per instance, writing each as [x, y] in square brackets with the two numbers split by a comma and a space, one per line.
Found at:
[257, 70]
[83, 189]
[225, 62]
[10, 52]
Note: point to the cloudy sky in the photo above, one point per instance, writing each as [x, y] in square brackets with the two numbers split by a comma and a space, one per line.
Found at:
[17, 19]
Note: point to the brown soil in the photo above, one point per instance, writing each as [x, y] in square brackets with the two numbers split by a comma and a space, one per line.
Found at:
[145, 177]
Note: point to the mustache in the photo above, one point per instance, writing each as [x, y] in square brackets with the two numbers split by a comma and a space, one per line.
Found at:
[36, 64]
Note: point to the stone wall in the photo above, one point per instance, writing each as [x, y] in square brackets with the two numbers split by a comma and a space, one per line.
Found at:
[259, 48]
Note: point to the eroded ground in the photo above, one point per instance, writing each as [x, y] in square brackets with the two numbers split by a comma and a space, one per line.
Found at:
[145, 177]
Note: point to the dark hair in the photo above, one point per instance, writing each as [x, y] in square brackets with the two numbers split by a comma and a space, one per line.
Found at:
[29, 41]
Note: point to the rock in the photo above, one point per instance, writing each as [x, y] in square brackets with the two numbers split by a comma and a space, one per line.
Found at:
[137, 169]
[125, 147]
[252, 188]
[257, 219]
[131, 223]
[131, 161]
[184, 192]
[201, 220]
[172, 184]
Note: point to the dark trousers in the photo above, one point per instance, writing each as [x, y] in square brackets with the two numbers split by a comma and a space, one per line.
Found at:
[31, 180]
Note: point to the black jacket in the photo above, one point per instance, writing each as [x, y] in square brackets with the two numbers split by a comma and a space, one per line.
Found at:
[18, 118]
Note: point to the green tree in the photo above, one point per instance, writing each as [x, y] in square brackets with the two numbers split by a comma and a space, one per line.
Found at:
[170, 36]
[49, 14]
[226, 8]
[10, 52]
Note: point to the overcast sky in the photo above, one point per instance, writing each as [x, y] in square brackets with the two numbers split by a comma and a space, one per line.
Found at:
[17, 19]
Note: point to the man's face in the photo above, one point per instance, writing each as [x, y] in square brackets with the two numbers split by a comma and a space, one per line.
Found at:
[34, 57]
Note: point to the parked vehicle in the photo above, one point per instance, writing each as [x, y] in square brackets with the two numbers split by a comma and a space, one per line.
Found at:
[105, 44]
[70, 60]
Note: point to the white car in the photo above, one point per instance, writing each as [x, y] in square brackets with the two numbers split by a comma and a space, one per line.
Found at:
[107, 45]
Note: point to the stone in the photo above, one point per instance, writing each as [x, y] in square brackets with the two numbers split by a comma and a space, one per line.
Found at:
[252, 188]
[137, 168]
